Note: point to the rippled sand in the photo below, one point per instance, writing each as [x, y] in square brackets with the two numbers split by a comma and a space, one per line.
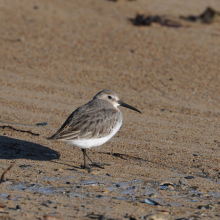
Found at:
[56, 55]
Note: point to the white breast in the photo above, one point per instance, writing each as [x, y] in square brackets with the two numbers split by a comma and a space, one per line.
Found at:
[94, 142]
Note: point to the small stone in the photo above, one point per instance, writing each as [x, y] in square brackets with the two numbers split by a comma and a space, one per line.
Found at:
[189, 177]
[153, 195]
[132, 217]
[206, 195]
[195, 188]
[165, 212]
[166, 183]
[102, 217]
[51, 217]
[182, 182]
[156, 217]
[2, 205]
[195, 195]
[209, 206]
[45, 204]
[25, 165]
[183, 187]
[18, 207]
[151, 202]
[42, 124]
[99, 196]
[170, 187]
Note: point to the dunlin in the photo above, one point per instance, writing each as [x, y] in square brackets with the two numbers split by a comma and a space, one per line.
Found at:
[93, 124]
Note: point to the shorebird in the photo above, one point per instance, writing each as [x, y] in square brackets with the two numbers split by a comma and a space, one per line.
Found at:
[93, 124]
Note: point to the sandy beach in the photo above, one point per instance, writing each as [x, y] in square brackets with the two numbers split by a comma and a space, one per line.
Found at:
[56, 55]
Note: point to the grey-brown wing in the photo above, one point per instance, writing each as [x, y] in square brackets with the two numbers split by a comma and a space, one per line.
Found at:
[96, 123]
[63, 127]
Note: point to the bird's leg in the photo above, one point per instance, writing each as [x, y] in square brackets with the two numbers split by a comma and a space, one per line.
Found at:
[84, 158]
[93, 162]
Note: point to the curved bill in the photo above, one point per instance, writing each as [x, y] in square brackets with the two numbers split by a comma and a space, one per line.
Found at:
[128, 106]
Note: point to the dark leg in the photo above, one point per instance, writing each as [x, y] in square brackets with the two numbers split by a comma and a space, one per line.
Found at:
[93, 162]
[84, 157]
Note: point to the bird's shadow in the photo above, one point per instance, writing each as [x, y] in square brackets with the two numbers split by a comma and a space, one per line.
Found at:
[11, 148]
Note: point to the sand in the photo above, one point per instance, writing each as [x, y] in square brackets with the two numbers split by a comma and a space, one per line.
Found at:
[55, 56]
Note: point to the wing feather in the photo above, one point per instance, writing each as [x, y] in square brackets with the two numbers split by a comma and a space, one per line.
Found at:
[85, 123]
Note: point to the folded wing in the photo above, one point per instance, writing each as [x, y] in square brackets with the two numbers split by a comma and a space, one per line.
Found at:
[86, 124]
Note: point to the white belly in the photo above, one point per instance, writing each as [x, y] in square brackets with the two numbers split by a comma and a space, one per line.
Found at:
[93, 142]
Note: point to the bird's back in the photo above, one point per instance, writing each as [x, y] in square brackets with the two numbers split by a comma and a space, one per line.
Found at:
[95, 119]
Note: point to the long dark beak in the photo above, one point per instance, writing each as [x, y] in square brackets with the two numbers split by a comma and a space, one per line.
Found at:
[128, 106]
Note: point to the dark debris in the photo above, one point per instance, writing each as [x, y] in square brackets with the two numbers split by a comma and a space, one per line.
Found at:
[3, 174]
[207, 17]
[42, 124]
[147, 20]
[14, 129]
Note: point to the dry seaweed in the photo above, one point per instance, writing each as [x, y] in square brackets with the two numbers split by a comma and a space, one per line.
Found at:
[207, 17]
[147, 20]
[3, 174]
[14, 129]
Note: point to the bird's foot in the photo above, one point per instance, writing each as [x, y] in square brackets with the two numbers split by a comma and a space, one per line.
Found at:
[86, 167]
[100, 165]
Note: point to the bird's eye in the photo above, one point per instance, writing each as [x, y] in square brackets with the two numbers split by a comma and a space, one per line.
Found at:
[109, 97]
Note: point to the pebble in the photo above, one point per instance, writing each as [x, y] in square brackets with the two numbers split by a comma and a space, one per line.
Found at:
[182, 182]
[42, 124]
[151, 202]
[132, 217]
[189, 177]
[206, 195]
[2, 205]
[195, 188]
[166, 183]
[153, 195]
[170, 187]
[18, 207]
[51, 217]
[165, 212]
[156, 217]
[25, 165]
[196, 195]
[45, 204]
[209, 206]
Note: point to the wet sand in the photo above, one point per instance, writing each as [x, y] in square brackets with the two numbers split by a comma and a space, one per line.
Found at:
[55, 56]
